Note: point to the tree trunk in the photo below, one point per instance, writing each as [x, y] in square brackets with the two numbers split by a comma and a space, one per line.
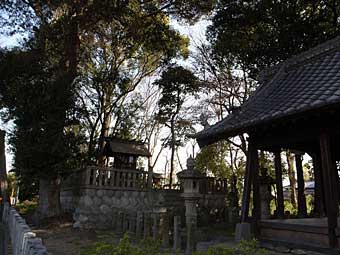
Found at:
[104, 133]
[3, 173]
[292, 179]
[173, 150]
[49, 198]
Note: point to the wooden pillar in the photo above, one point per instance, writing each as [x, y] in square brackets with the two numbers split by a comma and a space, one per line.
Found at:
[318, 192]
[150, 175]
[328, 174]
[279, 187]
[302, 208]
[256, 188]
[252, 154]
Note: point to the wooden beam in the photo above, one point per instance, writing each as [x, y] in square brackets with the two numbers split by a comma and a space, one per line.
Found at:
[318, 190]
[279, 187]
[302, 208]
[328, 173]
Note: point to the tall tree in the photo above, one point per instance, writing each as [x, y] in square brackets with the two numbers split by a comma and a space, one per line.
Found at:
[257, 34]
[57, 29]
[117, 58]
[176, 84]
[44, 139]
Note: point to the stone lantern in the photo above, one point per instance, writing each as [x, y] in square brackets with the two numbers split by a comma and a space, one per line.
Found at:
[190, 179]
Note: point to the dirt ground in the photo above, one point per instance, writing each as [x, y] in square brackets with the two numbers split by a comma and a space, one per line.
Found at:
[60, 238]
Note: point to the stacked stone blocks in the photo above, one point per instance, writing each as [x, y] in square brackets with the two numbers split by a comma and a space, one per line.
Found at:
[23, 240]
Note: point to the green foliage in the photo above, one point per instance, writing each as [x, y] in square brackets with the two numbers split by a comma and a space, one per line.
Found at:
[257, 34]
[310, 203]
[244, 248]
[211, 159]
[176, 84]
[27, 207]
[125, 247]
[37, 100]
[12, 184]
[151, 247]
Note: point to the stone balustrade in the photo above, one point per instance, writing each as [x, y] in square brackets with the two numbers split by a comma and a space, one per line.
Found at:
[128, 179]
[108, 178]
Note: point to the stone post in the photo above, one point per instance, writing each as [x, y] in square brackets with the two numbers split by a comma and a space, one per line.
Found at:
[132, 222]
[164, 227]
[139, 223]
[155, 226]
[119, 222]
[147, 224]
[177, 233]
[114, 219]
[191, 225]
[190, 179]
[125, 222]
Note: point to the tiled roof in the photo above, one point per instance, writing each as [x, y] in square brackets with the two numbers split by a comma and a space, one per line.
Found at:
[116, 145]
[305, 82]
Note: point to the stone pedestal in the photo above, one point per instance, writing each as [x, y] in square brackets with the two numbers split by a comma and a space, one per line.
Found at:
[243, 232]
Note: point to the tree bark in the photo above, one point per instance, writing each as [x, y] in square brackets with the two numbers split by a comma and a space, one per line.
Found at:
[49, 198]
[292, 179]
[279, 188]
[3, 173]
[302, 207]
[173, 150]
[105, 131]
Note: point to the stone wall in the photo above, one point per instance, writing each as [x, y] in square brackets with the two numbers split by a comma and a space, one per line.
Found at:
[23, 240]
[69, 200]
[98, 208]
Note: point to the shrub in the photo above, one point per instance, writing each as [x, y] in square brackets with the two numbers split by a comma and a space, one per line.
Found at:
[27, 207]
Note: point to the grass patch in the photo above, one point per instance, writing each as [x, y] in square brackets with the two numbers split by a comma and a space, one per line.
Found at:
[151, 247]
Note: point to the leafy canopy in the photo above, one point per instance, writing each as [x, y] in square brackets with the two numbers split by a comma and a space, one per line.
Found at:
[257, 34]
[176, 84]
